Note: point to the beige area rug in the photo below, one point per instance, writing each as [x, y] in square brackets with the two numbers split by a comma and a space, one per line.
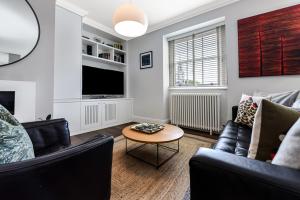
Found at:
[133, 179]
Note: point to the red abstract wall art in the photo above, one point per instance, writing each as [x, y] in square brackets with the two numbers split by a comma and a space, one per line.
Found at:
[269, 44]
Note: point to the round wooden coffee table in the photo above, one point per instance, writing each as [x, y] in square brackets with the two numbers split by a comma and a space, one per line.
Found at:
[169, 134]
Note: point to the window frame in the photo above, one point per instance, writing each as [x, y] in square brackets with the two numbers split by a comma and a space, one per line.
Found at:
[222, 82]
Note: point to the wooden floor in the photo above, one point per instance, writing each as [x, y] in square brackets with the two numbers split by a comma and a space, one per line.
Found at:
[116, 131]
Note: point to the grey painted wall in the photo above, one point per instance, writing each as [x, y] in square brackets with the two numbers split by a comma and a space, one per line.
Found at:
[38, 66]
[150, 87]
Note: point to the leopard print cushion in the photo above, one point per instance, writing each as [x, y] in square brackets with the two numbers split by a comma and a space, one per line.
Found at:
[246, 112]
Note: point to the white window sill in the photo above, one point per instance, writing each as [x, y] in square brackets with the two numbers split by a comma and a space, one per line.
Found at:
[198, 88]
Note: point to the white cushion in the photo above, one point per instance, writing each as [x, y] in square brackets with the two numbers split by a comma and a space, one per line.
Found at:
[282, 98]
[288, 154]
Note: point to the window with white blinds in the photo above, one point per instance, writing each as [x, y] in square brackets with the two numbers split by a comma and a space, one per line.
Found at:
[198, 59]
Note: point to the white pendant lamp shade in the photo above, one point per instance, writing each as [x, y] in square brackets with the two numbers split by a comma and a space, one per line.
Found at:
[130, 21]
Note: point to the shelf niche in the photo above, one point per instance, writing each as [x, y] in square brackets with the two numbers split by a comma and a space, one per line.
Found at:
[98, 47]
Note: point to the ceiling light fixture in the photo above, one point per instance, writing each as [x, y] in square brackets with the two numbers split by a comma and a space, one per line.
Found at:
[130, 21]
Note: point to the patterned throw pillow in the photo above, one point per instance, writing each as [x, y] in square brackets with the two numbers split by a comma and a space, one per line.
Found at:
[246, 111]
[15, 144]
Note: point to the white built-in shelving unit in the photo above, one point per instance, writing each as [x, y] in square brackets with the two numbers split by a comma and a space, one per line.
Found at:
[84, 115]
[98, 48]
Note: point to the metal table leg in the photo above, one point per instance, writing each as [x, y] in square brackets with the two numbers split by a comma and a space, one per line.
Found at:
[157, 163]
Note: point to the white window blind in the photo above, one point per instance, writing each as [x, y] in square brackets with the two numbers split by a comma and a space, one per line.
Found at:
[198, 59]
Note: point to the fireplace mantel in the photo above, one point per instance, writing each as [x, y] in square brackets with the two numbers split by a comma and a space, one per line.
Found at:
[25, 95]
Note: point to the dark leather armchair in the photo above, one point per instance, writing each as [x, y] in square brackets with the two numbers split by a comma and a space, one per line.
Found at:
[225, 172]
[59, 171]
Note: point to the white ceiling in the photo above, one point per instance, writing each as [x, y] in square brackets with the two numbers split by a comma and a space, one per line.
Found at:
[160, 13]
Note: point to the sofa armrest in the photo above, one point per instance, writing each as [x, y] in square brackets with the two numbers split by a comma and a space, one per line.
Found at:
[77, 173]
[234, 112]
[222, 175]
[48, 136]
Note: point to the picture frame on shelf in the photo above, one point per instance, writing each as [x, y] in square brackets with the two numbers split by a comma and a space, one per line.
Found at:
[146, 60]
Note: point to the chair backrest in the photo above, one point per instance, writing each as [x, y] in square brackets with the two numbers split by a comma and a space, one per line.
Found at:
[48, 136]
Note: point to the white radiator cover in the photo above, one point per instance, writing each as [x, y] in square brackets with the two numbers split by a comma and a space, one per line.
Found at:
[110, 112]
[90, 115]
[198, 111]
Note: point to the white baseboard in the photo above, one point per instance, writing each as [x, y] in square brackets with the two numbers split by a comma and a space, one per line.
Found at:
[149, 120]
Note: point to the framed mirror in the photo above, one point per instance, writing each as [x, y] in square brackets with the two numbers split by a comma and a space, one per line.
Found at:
[19, 31]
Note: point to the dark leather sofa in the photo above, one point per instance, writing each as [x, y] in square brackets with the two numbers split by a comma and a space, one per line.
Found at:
[225, 172]
[59, 171]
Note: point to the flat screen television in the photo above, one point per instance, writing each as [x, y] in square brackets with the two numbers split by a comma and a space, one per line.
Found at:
[102, 82]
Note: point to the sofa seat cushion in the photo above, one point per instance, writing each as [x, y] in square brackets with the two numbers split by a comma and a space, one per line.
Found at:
[235, 139]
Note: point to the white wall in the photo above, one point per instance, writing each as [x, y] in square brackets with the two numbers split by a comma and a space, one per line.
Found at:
[146, 85]
[38, 66]
[149, 87]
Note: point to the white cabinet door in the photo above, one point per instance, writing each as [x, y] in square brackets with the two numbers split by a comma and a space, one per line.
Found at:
[67, 62]
[109, 113]
[71, 112]
[90, 115]
[125, 111]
